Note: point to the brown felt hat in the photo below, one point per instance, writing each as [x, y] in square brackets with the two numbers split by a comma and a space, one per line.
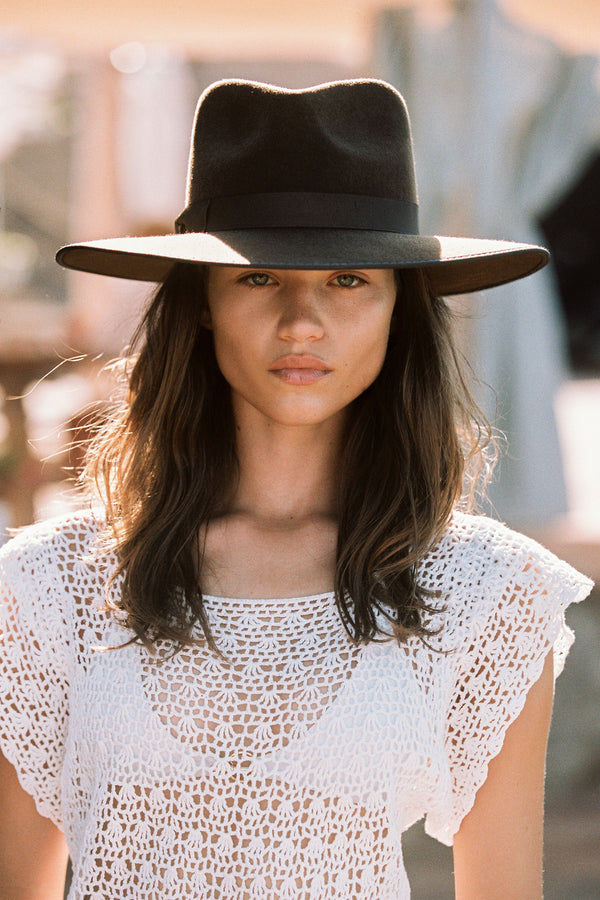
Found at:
[320, 178]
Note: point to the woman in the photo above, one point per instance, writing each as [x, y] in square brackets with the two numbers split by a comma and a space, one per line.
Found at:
[277, 644]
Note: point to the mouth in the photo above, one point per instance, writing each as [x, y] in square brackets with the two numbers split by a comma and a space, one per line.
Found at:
[300, 370]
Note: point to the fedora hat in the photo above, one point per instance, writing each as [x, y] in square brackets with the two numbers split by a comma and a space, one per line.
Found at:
[319, 178]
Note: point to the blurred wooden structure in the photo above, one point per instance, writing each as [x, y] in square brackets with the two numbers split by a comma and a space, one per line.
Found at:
[32, 333]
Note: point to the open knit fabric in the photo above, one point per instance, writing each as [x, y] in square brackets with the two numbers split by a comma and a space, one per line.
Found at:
[289, 768]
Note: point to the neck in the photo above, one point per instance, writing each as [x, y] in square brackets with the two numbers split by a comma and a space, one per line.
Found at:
[286, 472]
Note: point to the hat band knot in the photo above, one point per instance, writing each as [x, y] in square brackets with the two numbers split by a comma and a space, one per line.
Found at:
[299, 209]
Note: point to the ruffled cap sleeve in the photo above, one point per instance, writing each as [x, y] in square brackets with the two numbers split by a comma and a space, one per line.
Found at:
[510, 595]
[34, 667]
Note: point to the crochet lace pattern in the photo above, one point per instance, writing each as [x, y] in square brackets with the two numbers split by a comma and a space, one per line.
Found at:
[288, 767]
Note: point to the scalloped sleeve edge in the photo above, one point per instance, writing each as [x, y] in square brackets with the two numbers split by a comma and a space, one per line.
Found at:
[557, 637]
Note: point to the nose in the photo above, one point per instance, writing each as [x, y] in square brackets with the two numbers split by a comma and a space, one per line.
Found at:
[300, 319]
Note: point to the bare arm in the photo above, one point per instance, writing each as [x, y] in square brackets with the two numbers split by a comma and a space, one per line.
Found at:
[33, 852]
[498, 849]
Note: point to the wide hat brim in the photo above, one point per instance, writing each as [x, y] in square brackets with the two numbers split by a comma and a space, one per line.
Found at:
[454, 265]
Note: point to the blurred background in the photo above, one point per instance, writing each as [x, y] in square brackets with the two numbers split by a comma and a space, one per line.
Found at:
[96, 106]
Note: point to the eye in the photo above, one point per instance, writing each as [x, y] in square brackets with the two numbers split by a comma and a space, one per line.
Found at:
[257, 279]
[348, 280]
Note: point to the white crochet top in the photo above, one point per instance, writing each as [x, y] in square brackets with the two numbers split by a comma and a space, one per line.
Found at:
[289, 768]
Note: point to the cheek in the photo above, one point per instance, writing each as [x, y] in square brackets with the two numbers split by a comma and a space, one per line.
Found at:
[234, 348]
[364, 364]
[228, 356]
[373, 346]
[222, 343]
[372, 365]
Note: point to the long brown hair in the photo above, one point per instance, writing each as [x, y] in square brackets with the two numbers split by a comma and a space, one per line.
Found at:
[165, 464]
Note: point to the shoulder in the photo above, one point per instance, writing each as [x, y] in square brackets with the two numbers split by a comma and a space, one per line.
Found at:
[483, 571]
[467, 533]
[53, 585]
[77, 530]
[57, 551]
[473, 544]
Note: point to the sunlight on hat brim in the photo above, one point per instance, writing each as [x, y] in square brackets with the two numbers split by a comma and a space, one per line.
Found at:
[454, 265]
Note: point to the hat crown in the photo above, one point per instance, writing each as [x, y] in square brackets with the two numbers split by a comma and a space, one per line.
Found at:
[350, 137]
[318, 178]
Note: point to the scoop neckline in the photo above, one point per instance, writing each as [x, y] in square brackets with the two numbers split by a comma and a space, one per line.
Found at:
[325, 595]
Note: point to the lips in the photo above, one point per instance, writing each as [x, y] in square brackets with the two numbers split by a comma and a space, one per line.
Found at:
[300, 370]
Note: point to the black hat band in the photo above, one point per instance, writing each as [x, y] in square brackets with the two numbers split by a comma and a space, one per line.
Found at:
[298, 209]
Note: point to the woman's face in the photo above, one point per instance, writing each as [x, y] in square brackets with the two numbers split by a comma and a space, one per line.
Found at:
[298, 346]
